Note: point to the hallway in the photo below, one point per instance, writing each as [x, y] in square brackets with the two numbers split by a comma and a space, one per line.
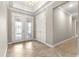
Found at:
[38, 49]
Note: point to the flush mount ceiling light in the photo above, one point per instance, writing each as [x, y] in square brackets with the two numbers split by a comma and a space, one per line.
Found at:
[71, 5]
[30, 6]
[31, 3]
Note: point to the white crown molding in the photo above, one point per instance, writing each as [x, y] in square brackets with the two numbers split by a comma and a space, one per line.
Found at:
[29, 12]
[38, 6]
[43, 7]
[11, 8]
[20, 11]
[37, 11]
[64, 10]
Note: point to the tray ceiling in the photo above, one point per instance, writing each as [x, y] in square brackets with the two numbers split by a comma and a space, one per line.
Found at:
[28, 5]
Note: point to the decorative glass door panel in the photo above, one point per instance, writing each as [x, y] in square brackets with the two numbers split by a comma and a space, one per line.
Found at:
[18, 27]
[23, 30]
[29, 30]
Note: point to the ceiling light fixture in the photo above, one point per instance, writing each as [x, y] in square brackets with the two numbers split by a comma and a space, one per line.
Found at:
[71, 5]
[31, 3]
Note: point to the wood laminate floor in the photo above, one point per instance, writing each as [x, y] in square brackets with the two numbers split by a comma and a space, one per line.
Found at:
[37, 49]
[68, 48]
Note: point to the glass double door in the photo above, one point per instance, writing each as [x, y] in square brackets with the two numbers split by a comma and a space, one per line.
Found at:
[23, 30]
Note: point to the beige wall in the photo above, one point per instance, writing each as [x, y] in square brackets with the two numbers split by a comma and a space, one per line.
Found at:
[62, 25]
[9, 26]
[48, 14]
[41, 27]
[49, 25]
[77, 30]
[13, 16]
[74, 25]
[3, 28]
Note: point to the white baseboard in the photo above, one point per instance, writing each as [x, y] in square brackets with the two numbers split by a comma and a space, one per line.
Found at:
[61, 42]
[5, 52]
[52, 46]
[19, 41]
[49, 45]
[11, 42]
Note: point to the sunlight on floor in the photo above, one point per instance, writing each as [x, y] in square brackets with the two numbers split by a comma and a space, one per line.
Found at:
[29, 45]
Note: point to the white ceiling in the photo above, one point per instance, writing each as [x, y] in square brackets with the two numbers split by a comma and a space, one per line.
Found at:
[71, 7]
[31, 6]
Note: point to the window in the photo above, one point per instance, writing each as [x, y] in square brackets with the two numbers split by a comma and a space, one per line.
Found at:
[29, 29]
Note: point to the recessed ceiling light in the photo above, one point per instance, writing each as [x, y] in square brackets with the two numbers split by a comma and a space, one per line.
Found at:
[71, 5]
[31, 3]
